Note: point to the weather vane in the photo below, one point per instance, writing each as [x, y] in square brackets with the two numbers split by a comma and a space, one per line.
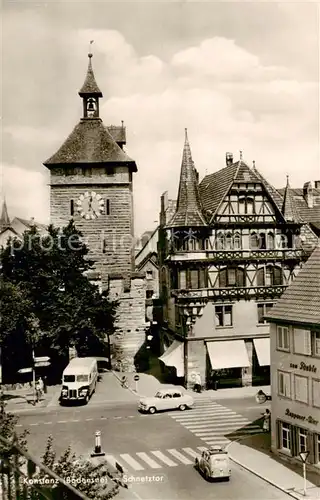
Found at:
[90, 46]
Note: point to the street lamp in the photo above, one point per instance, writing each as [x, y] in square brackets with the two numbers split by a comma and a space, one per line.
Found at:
[304, 455]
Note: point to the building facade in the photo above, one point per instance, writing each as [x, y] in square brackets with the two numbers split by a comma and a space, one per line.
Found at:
[14, 229]
[226, 255]
[295, 367]
[91, 182]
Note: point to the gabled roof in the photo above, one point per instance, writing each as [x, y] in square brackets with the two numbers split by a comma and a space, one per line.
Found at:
[90, 142]
[188, 211]
[300, 303]
[214, 187]
[306, 214]
[90, 87]
[289, 208]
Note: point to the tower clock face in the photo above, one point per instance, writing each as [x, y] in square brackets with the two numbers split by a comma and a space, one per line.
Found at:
[90, 205]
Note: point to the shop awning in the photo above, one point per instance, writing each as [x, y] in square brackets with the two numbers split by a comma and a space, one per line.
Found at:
[228, 354]
[262, 347]
[174, 357]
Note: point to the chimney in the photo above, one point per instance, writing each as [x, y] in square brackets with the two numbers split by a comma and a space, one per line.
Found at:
[317, 184]
[229, 159]
[308, 194]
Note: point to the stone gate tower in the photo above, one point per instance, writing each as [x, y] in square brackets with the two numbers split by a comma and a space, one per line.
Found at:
[91, 183]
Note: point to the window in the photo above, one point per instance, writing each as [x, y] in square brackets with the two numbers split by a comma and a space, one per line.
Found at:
[107, 207]
[283, 338]
[302, 443]
[182, 283]
[262, 241]
[177, 395]
[194, 278]
[223, 315]
[301, 389]
[220, 241]
[149, 294]
[71, 207]
[285, 440]
[87, 171]
[270, 241]
[149, 274]
[82, 378]
[316, 343]
[228, 241]
[302, 341]
[263, 310]
[317, 461]
[109, 170]
[69, 378]
[234, 277]
[284, 384]
[254, 241]
[246, 206]
[316, 393]
[237, 242]
[269, 276]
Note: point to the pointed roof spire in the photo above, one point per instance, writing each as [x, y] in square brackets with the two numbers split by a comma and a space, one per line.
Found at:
[90, 86]
[289, 208]
[188, 212]
[4, 220]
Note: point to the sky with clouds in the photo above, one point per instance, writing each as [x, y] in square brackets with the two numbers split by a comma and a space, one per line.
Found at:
[239, 76]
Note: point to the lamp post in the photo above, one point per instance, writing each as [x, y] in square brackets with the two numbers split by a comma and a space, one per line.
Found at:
[304, 455]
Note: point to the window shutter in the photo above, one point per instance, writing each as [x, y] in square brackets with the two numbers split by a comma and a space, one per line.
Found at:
[202, 278]
[307, 342]
[311, 445]
[293, 439]
[223, 278]
[240, 277]
[194, 278]
[260, 277]
[278, 433]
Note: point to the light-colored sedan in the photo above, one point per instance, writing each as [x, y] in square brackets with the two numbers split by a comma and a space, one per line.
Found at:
[166, 399]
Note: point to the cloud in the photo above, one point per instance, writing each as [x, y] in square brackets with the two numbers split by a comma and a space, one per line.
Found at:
[226, 96]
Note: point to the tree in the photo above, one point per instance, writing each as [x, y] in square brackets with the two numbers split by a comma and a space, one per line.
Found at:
[92, 480]
[59, 307]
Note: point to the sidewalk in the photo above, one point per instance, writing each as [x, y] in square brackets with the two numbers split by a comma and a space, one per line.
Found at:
[270, 470]
[20, 399]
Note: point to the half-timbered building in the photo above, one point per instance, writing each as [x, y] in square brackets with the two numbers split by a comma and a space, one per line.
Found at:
[226, 255]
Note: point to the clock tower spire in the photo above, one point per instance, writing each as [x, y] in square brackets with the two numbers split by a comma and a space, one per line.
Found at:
[90, 93]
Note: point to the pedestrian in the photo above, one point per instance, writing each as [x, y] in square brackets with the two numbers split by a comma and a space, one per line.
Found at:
[197, 385]
[45, 388]
[266, 421]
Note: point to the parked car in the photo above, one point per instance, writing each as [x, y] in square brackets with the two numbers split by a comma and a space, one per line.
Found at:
[166, 399]
[214, 463]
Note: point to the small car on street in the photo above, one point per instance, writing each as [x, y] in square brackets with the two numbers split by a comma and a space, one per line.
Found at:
[214, 463]
[166, 399]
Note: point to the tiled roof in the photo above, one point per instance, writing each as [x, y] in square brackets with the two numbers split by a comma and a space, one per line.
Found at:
[289, 208]
[117, 133]
[300, 303]
[214, 187]
[306, 214]
[273, 192]
[90, 86]
[90, 142]
[189, 210]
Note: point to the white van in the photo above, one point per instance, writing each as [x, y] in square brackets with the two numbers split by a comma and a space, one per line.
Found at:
[79, 380]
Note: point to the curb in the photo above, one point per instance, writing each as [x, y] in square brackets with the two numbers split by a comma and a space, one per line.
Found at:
[297, 496]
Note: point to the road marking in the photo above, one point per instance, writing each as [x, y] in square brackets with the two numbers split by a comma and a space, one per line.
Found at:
[180, 457]
[75, 420]
[18, 425]
[117, 417]
[47, 423]
[164, 459]
[132, 462]
[131, 416]
[190, 452]
[103, 418]
[60, 422]
[89, 419]
[35, 424]
[148, 460]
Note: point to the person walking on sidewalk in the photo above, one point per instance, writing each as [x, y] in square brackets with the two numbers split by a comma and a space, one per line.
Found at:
[197, 385]
[266, 421]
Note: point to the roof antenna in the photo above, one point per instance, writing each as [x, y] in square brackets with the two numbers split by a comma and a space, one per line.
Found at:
[90, 51]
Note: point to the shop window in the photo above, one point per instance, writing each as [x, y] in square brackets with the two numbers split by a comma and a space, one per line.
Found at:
[283, 338]
[315, 343]
[223, 315]
[285, 437]
[303, 438]
[284, 384]
[263, 310]
[301, 389]
[316, 393]
[302, 341]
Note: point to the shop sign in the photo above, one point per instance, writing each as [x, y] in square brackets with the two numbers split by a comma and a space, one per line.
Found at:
[303, 366]
[302, 418]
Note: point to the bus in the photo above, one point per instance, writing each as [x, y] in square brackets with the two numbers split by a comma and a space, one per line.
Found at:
[79, 380]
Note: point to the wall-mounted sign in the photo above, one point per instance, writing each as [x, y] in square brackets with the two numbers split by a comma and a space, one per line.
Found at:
[302, 418]
[303, 366]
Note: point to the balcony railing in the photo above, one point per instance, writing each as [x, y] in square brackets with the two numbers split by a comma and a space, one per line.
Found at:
[230, 293]
[236, 255]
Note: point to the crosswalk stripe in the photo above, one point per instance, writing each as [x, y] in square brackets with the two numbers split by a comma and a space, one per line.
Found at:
[164, 459]
[180, 457]
[132, 462]
[227, 425]
[191, 452]
[148, 460]
[195, 413]
[215, 420]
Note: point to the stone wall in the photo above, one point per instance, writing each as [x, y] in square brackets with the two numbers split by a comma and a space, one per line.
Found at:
[109, 237]
[130, 324]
